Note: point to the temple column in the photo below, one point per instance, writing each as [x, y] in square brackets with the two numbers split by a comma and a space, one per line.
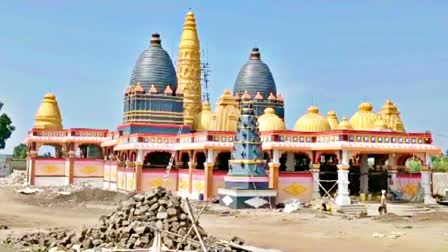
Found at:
[208, 174]
[191, 166]
[364, 177]
[139, 170]
[426, 180]
[290, 161]
[71, 166]
[315, 170]
[31, 167]
[273, 175]
[392, 170]
[343, 195]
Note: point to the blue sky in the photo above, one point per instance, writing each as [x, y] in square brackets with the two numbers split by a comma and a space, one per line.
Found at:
[335, 54]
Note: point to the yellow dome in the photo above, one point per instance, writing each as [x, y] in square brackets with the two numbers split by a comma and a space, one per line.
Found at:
[225, 117]
[390, 114]
[332, 119]
[380, 124]
[364, 118]
[312, 121]
[270, 121]
[48, 116]
[344, 124]
[202, 120]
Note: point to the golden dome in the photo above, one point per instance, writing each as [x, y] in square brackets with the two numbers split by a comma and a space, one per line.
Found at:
[380, 124]
[332, 119]
[344, 124]
[390, 114]
[202, 120]
[225, 117]
[364, 118]
[312, 121]
[48, 116]
[270, 121]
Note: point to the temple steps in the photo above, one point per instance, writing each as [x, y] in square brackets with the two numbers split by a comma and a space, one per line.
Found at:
[353, 209]
[404, 209]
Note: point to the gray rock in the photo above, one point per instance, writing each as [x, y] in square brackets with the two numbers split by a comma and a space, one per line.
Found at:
[162, 215]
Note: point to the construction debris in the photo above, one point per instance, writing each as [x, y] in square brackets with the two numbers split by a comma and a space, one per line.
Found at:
[292, 206]
[16, 178]
[156, 217]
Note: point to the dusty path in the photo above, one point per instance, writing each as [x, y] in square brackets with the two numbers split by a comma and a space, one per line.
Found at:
[304, 231]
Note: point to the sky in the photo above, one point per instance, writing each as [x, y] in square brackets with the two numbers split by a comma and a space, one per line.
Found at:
[333, 54]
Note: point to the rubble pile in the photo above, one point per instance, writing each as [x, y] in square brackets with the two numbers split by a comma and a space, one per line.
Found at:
[138, 222]
[16, 178]
[69, 188]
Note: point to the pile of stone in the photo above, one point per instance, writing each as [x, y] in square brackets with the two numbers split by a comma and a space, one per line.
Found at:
[16, 178]
[69, 188]
[141, 221]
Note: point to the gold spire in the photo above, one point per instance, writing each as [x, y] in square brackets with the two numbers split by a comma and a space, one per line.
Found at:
[312, 121]
[332, 119]
[48, 116]
[189, 69]
[202, 120]
[225, 117]
[390, 114]
[270, 121]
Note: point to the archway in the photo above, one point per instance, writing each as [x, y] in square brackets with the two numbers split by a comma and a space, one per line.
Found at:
[157, 159]
[184, 159]
[301, 162]
[222, 161]
[200, 159]
[283, 159]
[50, 151]
[328, 172]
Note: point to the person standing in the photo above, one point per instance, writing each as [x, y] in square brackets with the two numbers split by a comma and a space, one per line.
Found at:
[382, 209]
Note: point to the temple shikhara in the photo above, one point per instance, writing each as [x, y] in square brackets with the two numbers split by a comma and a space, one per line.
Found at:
[238, 151]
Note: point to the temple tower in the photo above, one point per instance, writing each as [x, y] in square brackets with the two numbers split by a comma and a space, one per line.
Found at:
[247, 184]
[189, 69]
[48, 116]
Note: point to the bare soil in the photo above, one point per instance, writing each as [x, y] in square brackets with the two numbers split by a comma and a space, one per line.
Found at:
[303, 231]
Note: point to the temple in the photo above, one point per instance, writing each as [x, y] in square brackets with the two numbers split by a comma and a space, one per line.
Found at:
[240, 151]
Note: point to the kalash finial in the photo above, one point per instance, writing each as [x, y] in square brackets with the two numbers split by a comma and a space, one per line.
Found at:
[255, 54]
[155, 40]
[190, 21]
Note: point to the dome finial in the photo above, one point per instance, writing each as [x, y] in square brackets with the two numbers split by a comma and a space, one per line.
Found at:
[255, 54]
[155, 40]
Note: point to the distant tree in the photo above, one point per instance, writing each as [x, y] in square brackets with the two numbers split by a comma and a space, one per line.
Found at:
[440, 163]
[20, 151]
[414, 165]
[6, 129]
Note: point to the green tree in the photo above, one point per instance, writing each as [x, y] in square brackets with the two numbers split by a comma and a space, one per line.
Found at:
[440, 163]
[20, 151]
[6, 129]
[414, 165]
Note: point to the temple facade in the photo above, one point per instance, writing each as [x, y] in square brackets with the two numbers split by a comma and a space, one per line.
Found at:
[166, 124]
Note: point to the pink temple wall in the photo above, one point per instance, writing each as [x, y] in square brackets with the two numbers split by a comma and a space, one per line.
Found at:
[89, 168]
[218, 182]
[198, 183]
[183, 181]
[408, 185]
[126, 180]
[50, 171]
[295, 185]
[153, 178]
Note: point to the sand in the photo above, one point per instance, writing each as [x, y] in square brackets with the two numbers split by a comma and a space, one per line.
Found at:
[303, 231]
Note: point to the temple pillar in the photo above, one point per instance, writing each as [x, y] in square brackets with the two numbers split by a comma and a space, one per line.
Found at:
[191, 166]
[31, 167]
[290, 161]
[138, 175]
[426, 185]
[273, 175]
[364, 177]
[208, 174]
[343, 195]
[315, 170]
[392, 161]
[276, 156]
[71, 166]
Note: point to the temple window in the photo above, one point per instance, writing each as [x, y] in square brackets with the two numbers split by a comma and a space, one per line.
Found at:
[93, 151]
[50, 151]
[373, 139]
[386, 140]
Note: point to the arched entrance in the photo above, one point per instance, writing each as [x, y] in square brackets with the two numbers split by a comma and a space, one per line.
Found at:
[301, 162]
[222, 161]
[157, 159]
[200, 160]
[328, 173]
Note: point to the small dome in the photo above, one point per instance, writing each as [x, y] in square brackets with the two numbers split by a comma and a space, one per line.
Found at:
[154, 67]
[332, 119]
[48, 116]
[312, 121]
[380, 124]
[364, 118]
[344, 124]
[270, 121]
[254, 77]
[202, 120]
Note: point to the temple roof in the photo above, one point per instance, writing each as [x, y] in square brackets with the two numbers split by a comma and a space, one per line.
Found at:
[154, 66]
[364, 118]
[48, 116]
[270, 121]
[254, 77]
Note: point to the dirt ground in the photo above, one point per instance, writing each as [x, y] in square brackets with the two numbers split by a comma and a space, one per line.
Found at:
[304, 231]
